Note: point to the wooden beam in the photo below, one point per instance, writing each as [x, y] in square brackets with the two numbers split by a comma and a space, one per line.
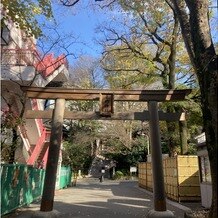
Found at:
[94, 94]
[80, 115]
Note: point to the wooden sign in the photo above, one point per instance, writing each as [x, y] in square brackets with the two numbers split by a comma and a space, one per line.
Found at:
[106, 104]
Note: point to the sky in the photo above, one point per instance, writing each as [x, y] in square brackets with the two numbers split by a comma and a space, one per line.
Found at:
[82, 19]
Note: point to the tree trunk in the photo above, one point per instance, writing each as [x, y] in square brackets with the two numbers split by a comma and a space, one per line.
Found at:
[197, 36]
[75, 176]
[172, 143]
[171, 126]
[208, 87]
[206, 69]
[183, 137]
[209, 108]
[172, 57]
[13, 147]
[172, 129]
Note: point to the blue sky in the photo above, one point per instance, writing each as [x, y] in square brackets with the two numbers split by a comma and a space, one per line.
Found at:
[82, 20]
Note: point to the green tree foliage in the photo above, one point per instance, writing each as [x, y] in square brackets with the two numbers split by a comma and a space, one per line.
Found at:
[126, 157]
[146, 49]
[9, 137]
[124, 70]
[145, 44]
[78, 156]
[26, 14]
[82, 135]
[79, 145]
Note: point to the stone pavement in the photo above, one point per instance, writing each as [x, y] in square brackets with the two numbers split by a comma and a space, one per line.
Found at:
[111, 199]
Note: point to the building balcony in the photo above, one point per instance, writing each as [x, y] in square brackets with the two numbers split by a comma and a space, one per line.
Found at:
[20, 57]
[27, 65]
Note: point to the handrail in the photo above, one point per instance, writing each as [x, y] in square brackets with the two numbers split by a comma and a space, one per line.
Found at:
[37, 148]
[48, 135]
[46, 65]
[50, 64]
[45, 158]
[29, 57]
[38, 121]
[24, 137]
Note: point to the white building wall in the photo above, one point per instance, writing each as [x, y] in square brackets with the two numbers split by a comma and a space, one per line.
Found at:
[206, 195]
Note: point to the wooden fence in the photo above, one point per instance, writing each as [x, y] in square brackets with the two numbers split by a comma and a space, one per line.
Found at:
[181, 177]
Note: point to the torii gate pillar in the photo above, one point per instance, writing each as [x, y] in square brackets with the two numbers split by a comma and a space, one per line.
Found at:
[53, 155]
[160, 209]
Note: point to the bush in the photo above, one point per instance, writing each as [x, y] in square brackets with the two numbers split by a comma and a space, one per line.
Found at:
[118, 175]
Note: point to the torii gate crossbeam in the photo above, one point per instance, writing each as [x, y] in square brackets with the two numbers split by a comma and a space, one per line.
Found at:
[150, 96]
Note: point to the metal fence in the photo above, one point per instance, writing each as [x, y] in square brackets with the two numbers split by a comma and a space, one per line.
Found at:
[22, 184]
[65, 177]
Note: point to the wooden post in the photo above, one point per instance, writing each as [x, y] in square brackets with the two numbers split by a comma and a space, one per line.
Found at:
[53, 156]
[160, 209]
[156, 157]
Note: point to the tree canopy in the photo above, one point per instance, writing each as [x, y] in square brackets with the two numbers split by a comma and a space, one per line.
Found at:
[26, 14]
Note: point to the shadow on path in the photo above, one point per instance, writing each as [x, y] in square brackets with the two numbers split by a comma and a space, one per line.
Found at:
[90, 198]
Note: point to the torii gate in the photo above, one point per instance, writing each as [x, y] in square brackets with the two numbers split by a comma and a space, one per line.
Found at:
[106, 98]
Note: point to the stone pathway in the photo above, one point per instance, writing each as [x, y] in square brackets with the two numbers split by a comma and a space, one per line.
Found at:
[111, 199]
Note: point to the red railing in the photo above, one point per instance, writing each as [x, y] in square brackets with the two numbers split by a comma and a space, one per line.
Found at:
[45, 158]
[30, 57]
[50, 64]
[37, 149]
[39, 121]
[20, 57]
[43, 132]
[48, 135]
[25, 138]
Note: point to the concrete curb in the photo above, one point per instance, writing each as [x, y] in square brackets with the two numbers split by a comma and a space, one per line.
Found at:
[156, 214]
[42, 214]
[175, 204]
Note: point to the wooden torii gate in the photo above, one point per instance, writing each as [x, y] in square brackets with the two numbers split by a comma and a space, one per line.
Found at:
[106, 98]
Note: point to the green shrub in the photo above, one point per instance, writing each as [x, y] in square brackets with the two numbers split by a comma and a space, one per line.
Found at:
[118, 175]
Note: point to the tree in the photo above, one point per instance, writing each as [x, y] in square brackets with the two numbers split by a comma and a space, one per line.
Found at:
[126, 157]
[86, 73]
[144, 49]
[10, 120]
[83, 136]
[125, 70]
[25, 14]
[194, 21]
[77, 156]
